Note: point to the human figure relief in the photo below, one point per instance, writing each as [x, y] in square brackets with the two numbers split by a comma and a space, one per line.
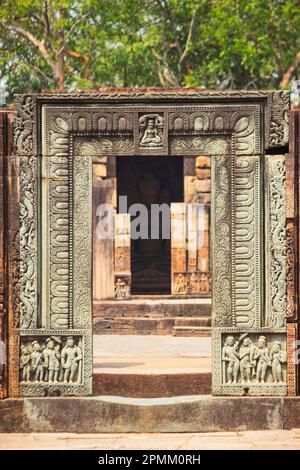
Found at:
[262, 356]
[52, 360]
[194, 283]
[71, 357]
[204, 283]
[180, 284]
[151, 137]
[230, 357]
[247, 362]
[37, 363]
[278, 357]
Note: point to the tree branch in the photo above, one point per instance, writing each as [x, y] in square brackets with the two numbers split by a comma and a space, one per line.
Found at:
[189, 39]
[83, 57]
[290, 72]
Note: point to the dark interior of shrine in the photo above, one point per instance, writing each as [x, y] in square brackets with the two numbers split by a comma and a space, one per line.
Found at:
[148, 181]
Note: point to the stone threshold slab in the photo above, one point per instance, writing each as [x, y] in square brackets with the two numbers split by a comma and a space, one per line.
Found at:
[107, 414]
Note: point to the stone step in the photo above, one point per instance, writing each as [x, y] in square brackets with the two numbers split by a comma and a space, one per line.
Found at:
[152, 307]
[107, 414]
[194, 326]
[191, 331]
[192, 321]
[152, 385]
[133, 326]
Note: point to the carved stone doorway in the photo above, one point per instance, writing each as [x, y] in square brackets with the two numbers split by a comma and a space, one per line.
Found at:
[57, 139]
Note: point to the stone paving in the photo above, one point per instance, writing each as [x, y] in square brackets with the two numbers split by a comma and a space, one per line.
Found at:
[152, 354]
[253, 440]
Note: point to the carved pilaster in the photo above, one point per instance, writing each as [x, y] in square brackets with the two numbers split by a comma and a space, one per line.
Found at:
[28, 242]
[275, 242]
[277, 123]
[247, 285]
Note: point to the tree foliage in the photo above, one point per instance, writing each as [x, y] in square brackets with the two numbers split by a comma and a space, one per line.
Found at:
[78, 44]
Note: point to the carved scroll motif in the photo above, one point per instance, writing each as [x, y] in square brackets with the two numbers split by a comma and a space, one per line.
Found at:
[221, 218]
[82, 243]
[275, 243]
[290, 270]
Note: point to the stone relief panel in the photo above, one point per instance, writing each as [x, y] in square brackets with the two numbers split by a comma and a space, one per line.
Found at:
[276, 301]
[55, 363]
[252, 362]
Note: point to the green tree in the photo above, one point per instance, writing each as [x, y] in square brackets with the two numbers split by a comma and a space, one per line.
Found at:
[79, 44]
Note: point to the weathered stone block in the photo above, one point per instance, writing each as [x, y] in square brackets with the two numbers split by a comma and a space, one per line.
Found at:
[203, 173]
[203, 161]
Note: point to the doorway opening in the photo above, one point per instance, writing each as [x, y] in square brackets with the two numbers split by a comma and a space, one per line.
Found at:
[149, 181]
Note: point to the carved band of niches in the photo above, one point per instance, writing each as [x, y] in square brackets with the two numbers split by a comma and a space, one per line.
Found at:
[51, 360]
[253, 360]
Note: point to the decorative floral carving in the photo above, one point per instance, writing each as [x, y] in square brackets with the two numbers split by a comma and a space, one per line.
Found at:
[276, 243]
[222, 243]
[28, 246]
[51, 360]
[279, 119]
[23, 125]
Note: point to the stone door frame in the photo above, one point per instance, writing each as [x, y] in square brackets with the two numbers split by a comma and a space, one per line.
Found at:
[56, 136]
